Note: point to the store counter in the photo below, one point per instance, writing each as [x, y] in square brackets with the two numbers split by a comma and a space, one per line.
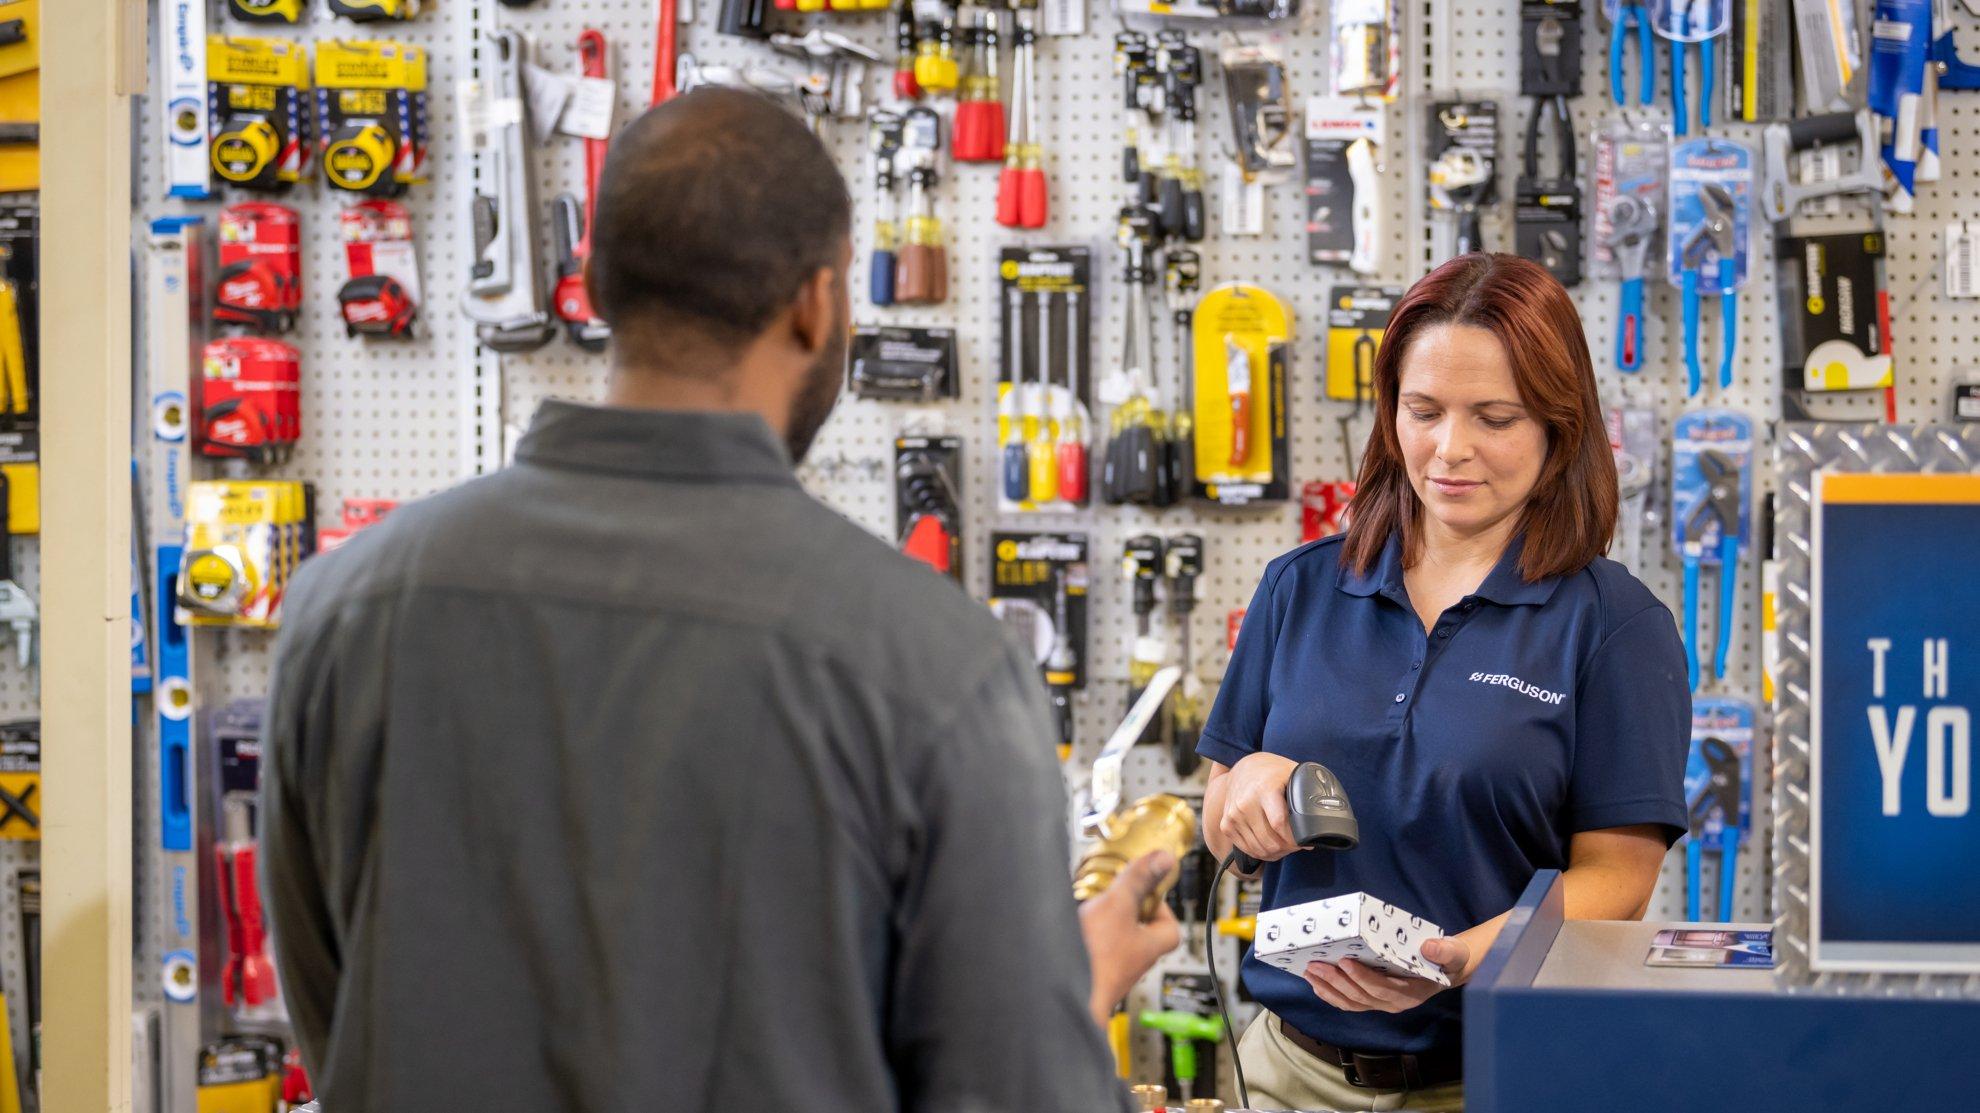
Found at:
[1565, 1017]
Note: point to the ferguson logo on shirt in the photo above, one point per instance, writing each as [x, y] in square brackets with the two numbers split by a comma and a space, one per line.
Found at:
[1516, 684]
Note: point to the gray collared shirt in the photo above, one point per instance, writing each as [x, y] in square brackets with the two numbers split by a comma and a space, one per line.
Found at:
[633, 778]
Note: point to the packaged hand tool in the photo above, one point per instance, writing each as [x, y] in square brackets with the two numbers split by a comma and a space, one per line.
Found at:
[372, 115]
[977, 134]
[1899, 93]
[1637, 445]
[1043, 399]
[374, 11]
[1828, 53]
[1718, 789]
[1711, 202]
[1835, 313]
[1550, 48]
[1180, 191]
[244, 539]
[359, 514]
[1684, 24]
[1630, 165]
[20, 331]
[1711, 519]
[258, 133]
[884, 132]
[247, 977]
[1242, 335]
[1629, 23]
[260, 279]
[1464, 173]
[248, 397]
[922, 277]
[380, 295]
[1760, 66]
[1182, 568]
[1182, 276]
[902, 364]
[1021, 187]
[20, 780]
[1547, 209]
[1356, 316]
[1343, 206]
[1131, 468]
[1365, 46]
[935, 67]
[1039, 584]
[1148, 653]
[239, 1074]
[504, 294]
[928, 519]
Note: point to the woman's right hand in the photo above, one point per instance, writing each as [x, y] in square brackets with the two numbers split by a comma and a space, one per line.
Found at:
[1254, 818]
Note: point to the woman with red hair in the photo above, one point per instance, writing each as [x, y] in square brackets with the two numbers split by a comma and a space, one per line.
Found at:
[1495, 696]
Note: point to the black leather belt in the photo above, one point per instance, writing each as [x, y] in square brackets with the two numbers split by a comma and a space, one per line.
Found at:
[1379, 1071]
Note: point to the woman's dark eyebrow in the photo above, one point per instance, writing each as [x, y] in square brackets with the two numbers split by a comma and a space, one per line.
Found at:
[1417, 395]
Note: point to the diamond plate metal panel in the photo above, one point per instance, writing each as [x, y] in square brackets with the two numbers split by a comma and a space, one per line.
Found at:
[1801, 451]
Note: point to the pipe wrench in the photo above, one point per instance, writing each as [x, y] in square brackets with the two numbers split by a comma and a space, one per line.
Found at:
[571, 226]
[503, 297]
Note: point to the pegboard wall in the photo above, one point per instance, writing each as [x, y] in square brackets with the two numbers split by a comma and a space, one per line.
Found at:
[402, 419]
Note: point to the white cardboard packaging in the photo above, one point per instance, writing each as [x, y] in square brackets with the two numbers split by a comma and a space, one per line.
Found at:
[1355, 926]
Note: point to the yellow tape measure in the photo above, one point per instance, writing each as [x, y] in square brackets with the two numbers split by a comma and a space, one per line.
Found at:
[245, 149]
[358, 156]
[265, 11]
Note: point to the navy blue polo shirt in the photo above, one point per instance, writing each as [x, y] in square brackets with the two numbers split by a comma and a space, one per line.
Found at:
[1471, 754]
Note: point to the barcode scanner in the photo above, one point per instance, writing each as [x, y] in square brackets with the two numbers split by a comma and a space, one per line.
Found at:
[1320, 817]
[1320, 814]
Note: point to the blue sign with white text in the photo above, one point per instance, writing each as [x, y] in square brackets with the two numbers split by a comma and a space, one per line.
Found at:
[1897, 869]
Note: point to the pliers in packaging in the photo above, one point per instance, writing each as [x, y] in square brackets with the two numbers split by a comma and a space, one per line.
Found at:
[1628, 15]
[1693, 17]
[1714, 237]
[1720, 796]
[1719, 504]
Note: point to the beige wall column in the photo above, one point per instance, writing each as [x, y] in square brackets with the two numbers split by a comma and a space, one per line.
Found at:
[92, 61]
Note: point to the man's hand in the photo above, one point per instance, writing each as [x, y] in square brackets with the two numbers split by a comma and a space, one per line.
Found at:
[1354, 988]
[1123, 948]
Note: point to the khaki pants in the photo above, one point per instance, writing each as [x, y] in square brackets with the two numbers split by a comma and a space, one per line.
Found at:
[1282, 1076]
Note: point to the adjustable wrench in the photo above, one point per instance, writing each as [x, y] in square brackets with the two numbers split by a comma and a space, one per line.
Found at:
[504, 296]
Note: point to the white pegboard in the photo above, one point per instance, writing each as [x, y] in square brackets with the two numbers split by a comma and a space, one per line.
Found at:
[20, 698]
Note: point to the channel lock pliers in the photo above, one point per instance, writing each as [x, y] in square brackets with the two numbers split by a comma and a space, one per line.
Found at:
[1632, 225]
[1720, 504]
[1720, 796]
[1625, 16]
[1692, 19]
[1713, 236]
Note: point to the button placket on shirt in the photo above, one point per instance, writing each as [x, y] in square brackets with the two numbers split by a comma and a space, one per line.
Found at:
[1433, 646]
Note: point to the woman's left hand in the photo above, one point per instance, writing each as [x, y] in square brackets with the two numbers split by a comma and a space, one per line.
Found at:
[1352, 987]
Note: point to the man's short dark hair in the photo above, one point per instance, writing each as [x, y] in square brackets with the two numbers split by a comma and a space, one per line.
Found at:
[713, 209]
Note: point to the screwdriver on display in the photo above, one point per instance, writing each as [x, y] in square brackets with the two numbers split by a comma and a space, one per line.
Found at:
[905, 86]
[1016, 410]
[1073, 431]
[1141, 565]
[1128, 473]
[922, 277]
[1185, 565]
[1062, 666]
[1042, 453]
[884, 131]
[1182, 272]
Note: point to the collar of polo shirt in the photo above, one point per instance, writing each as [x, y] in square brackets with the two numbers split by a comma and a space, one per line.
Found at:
[1505, 586]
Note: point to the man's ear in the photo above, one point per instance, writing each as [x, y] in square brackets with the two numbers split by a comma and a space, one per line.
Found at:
[815, 313]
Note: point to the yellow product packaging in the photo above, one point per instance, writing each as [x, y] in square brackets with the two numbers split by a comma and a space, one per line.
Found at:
[1242, 343]
[372, 115]
[243, 540]
[259, 127]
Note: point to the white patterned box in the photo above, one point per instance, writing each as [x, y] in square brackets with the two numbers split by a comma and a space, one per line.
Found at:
[1355, 926]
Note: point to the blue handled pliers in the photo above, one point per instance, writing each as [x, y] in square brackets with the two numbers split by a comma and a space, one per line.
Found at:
[1713, 236]
[1721, 504]
[1629, 15]
[1720, 797]
[1632, 225]
[1692, 19]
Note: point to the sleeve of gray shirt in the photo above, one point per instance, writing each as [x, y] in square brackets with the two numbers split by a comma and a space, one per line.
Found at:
[317, 717]
[989, 1002]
